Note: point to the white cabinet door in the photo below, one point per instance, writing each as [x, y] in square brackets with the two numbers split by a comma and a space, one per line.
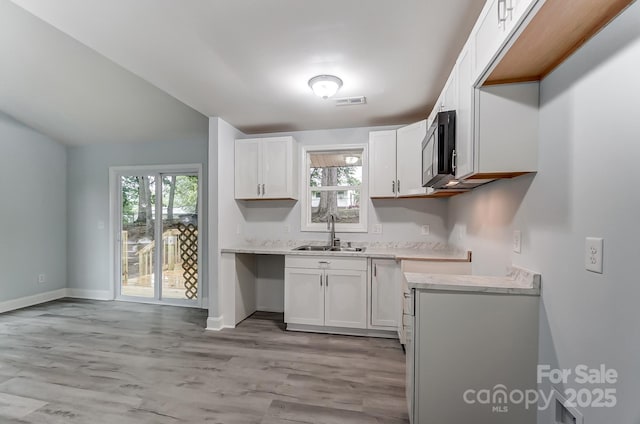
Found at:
[488, 37]
[247, 169]
[386, 297]
[345, 299]
[409, 159]
[450, 92]
[382, 163]
[303, 296]
[277, 168]
[464, 115]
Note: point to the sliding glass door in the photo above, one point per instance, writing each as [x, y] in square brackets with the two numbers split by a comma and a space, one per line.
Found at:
[157, 242]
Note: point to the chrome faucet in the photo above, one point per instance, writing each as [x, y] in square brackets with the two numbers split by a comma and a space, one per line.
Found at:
[331, 226]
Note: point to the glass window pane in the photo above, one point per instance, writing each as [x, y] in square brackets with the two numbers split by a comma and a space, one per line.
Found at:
[335, 168]
[344, 204]
[138, 244]
[180, 236]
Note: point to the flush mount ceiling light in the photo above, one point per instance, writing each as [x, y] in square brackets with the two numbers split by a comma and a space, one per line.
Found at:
[351, 160]
[325, 86]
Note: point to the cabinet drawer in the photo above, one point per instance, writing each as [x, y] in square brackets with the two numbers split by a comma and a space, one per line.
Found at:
[326, 262]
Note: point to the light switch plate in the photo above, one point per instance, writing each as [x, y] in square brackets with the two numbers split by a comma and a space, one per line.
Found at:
[425, 230]
[517, 241]
[593, 254]
[377, 229]
[287, 228]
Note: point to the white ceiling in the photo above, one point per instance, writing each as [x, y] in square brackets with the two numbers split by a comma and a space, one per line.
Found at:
[65, 90]
[248, 61]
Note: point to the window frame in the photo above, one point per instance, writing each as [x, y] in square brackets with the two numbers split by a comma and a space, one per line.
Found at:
[305, 190]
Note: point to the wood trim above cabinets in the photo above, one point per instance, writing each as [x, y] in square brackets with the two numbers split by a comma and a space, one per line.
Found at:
[495, 175]
[557, 30]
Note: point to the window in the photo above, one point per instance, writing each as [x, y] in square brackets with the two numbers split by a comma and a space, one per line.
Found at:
[335, 183]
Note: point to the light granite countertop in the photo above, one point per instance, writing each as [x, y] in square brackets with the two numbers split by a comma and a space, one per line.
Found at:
[517, 281]
[377, 250]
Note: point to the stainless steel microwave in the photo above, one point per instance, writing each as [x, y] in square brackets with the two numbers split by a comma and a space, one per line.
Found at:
[438, 149]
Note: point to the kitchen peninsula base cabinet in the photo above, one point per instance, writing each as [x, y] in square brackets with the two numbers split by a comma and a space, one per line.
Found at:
[461, 343]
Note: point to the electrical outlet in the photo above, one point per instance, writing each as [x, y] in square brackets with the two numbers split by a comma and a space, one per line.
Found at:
[517, 241]
[377, 229]
[238, 229]
[287, 228]
[425, 230]
[593, 254]
[42, 278]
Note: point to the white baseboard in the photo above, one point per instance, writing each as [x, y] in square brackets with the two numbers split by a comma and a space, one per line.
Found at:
[216, 324]
[343, 331]
[89, 294]
[23, 302]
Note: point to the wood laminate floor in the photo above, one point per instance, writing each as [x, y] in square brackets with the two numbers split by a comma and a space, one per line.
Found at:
[86, 362]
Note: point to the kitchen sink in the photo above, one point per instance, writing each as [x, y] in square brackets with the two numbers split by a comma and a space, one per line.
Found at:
[314, 248]
[330, 249]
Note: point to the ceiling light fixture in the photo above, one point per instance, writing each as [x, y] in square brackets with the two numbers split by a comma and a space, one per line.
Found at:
[325, 86]
[351, 160]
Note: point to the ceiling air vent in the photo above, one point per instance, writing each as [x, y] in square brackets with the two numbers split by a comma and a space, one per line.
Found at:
[348, 101]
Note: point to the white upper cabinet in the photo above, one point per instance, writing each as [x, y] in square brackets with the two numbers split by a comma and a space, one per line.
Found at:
[395, 161]
[409, 159]
[265, 168]
[247, 169]
[497, 125]
[382, 163]
[498, 21]
[450, 100]
[489, 35]
[463, 160]
[506, 133]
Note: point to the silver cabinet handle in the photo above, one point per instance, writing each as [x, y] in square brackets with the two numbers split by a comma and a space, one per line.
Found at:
[393, 186]
[263, 191]
[324, 262]
[509, 7]
[375, 270]
[326, 280]
[398, 186]
[502, 13]
[454, 156]
[258, 189]
[320, 280]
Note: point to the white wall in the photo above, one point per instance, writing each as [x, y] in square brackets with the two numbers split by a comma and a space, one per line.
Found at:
[586, 186]
[32, 214]
[401, 219]
[88, 202]
[226, 214]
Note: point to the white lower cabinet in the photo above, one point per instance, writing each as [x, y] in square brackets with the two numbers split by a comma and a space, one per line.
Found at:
[304, 296]
[326, 292]
[459, 344]
[385, 297]
[345, 298]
